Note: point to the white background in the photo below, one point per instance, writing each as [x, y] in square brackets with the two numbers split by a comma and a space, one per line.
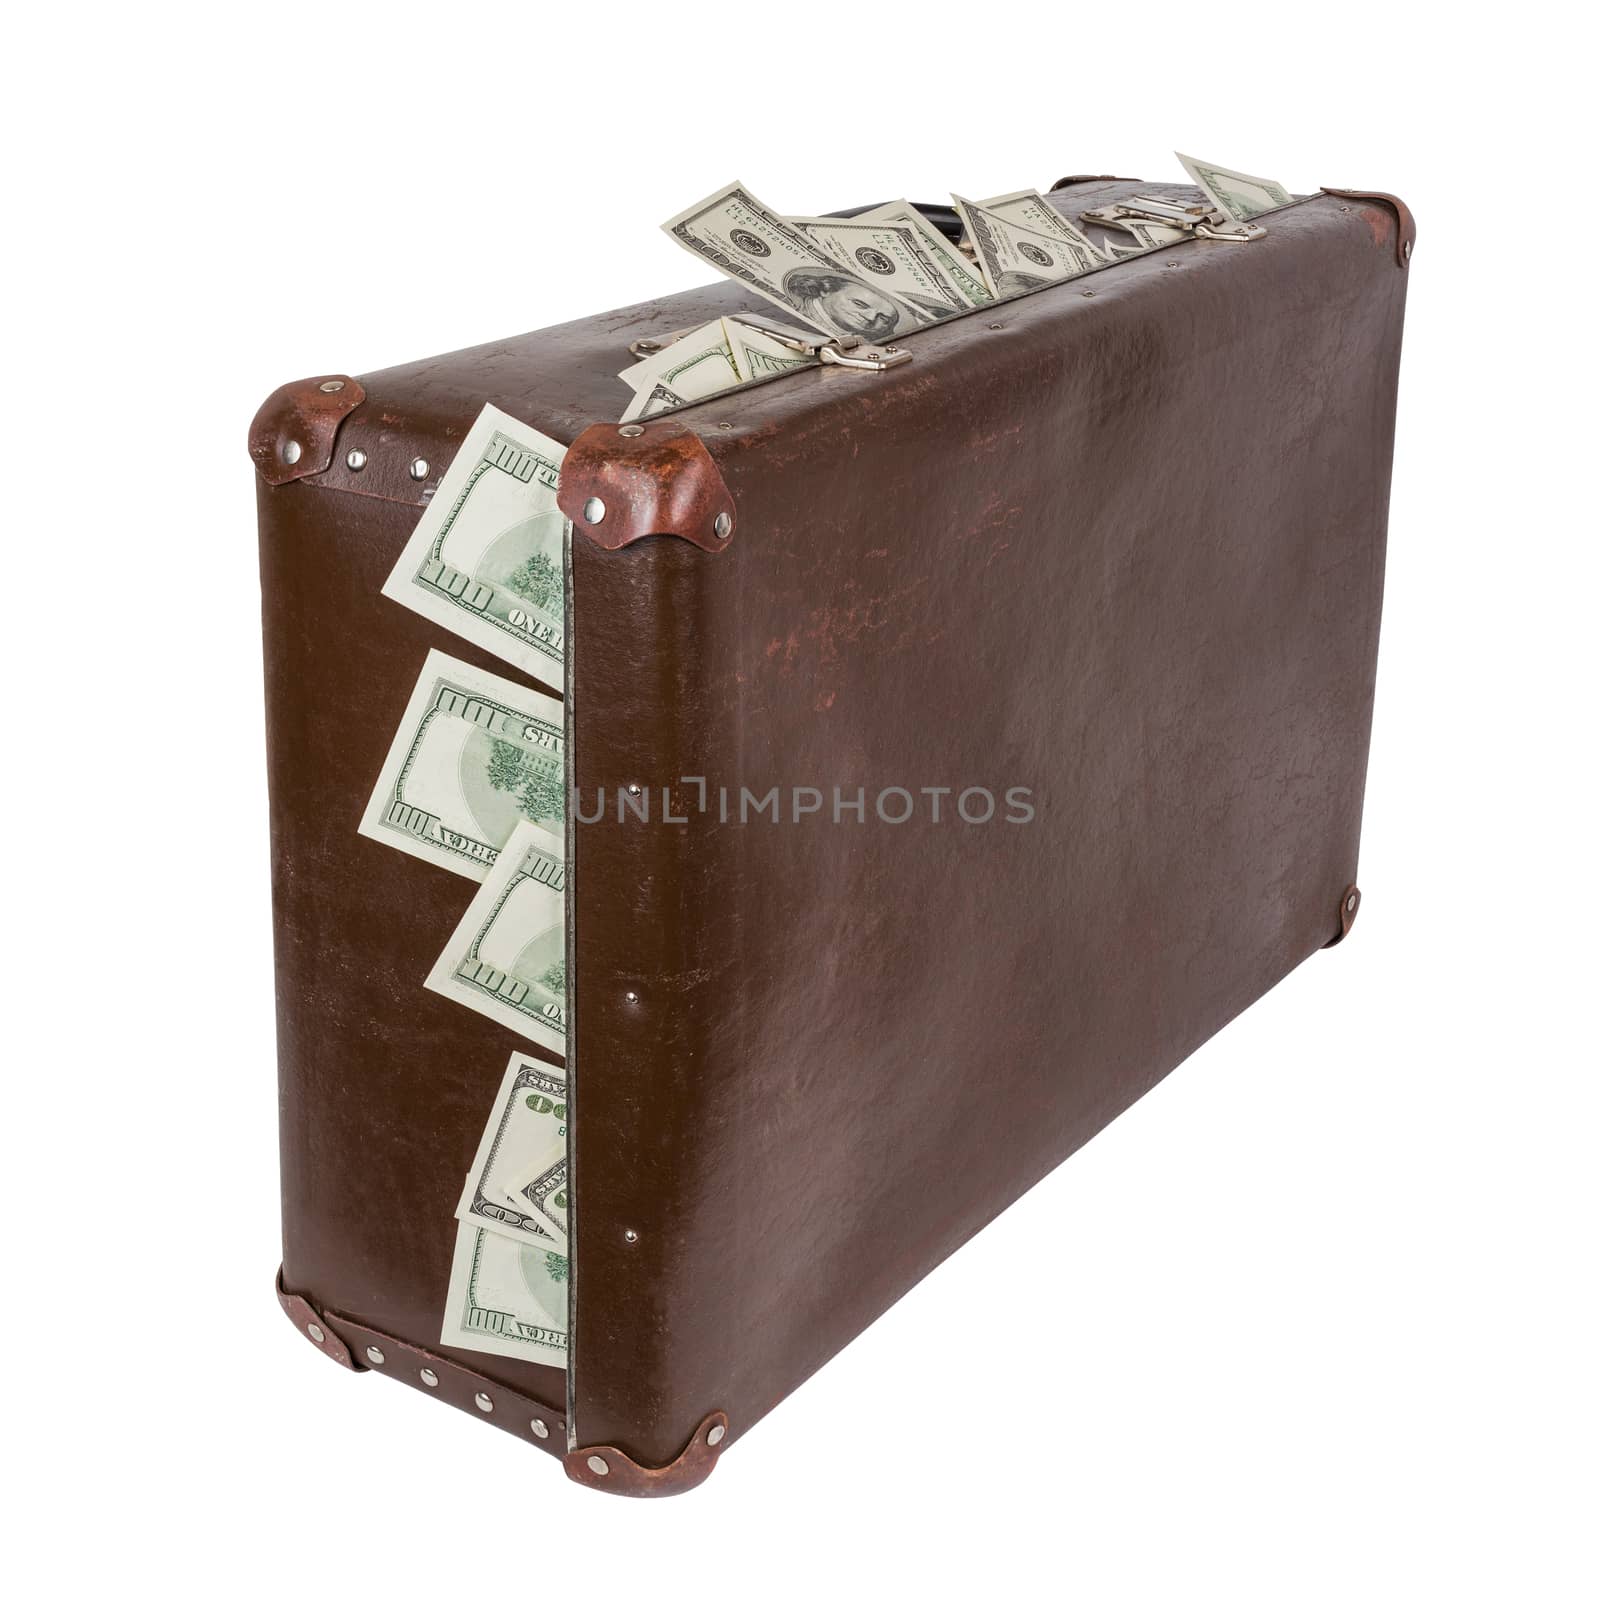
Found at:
[1315, 1318]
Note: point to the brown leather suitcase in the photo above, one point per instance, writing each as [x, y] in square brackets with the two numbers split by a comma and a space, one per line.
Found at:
[1116, 544]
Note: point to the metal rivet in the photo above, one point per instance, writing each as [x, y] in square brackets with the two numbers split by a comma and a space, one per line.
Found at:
[356, 460]
[419, 469]
[997, 324]
[723, 526]
[727, 427]
[291, 451]
[482, 1401]
[597, 1465]
[429, 1377]
[716, 1436]
[1405, 249]
[634, 788]
[1088, 294]
[629, 1235]
[1344, 208]
[315, 1332]
[594, 509]
[539, 1428]
[1350, 904]
[632, 997]
[630, 430]
[374, 1355]
[332, 386]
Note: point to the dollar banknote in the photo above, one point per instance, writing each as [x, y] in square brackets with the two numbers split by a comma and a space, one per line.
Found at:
[697, 364]
[486, 559]
[524, 1147]
[955, 266]
[544, 1191]
[651, 402]
[1237, 195]
[506, 1297]
[705, 362]
[759, 355]
[474, 755]
[894, 254]
[1146, 235]
[507, 958]
[1014, 259]
[1027, 208]
[755, 246]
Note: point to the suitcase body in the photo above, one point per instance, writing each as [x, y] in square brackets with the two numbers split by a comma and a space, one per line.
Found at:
[1110, 554]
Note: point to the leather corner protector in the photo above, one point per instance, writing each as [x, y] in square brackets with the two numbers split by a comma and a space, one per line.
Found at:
[1405, 235]
[1349, 905]
[626, 481]
[604, 1466]
[1090, 177]
[313, 1326]
[292, 434]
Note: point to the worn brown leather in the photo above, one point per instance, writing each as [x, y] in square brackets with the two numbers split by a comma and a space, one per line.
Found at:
[1125, 550]
[1405, 236]
[314, 1326]
[605, 1467]
[630, 481]
[362, 1349]
[292, 434]
[1349, 905]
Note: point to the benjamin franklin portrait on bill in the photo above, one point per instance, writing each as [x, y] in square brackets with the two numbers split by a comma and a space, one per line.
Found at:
[843, 303]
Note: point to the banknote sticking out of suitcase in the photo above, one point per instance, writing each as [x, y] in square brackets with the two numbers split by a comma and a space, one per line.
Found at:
[724, 855]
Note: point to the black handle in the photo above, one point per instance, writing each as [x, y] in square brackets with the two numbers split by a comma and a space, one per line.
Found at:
[944, 218]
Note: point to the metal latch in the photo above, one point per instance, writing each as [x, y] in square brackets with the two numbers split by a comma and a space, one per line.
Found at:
[1192, 217]
[833, 350]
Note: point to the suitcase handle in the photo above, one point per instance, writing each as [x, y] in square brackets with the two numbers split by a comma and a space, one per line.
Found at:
[944, 218]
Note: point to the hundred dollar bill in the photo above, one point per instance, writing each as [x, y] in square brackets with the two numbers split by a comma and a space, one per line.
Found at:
[524, 1142]
[1238, 196]
[753, 245]
[759, 355]
[952, 263]
[1014, 258]
[545, 1190]
[1145, 235]
[474, 755]
[1027, 208]
[507, 1298]
[894, 255]
[652, 401]
[705, 362]
[698, 364]
[507, 958]
[486, 558]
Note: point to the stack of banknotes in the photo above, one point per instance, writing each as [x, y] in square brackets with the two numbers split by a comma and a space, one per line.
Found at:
[475, 783]
[475, 778]
[886, 272]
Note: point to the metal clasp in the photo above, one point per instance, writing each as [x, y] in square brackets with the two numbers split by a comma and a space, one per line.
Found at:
[842, 350]
[1192, 217]
[848, 351]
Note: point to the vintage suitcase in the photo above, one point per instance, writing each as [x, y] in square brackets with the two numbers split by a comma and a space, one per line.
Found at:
[1117, 543]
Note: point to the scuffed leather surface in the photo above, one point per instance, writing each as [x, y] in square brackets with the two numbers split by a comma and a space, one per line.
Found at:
[661, 480]
[362, 1349]
[1125, 547]
[1405, 236]
[383, 1087]
[606, 1467]
[306, 415]
[309, 1323]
